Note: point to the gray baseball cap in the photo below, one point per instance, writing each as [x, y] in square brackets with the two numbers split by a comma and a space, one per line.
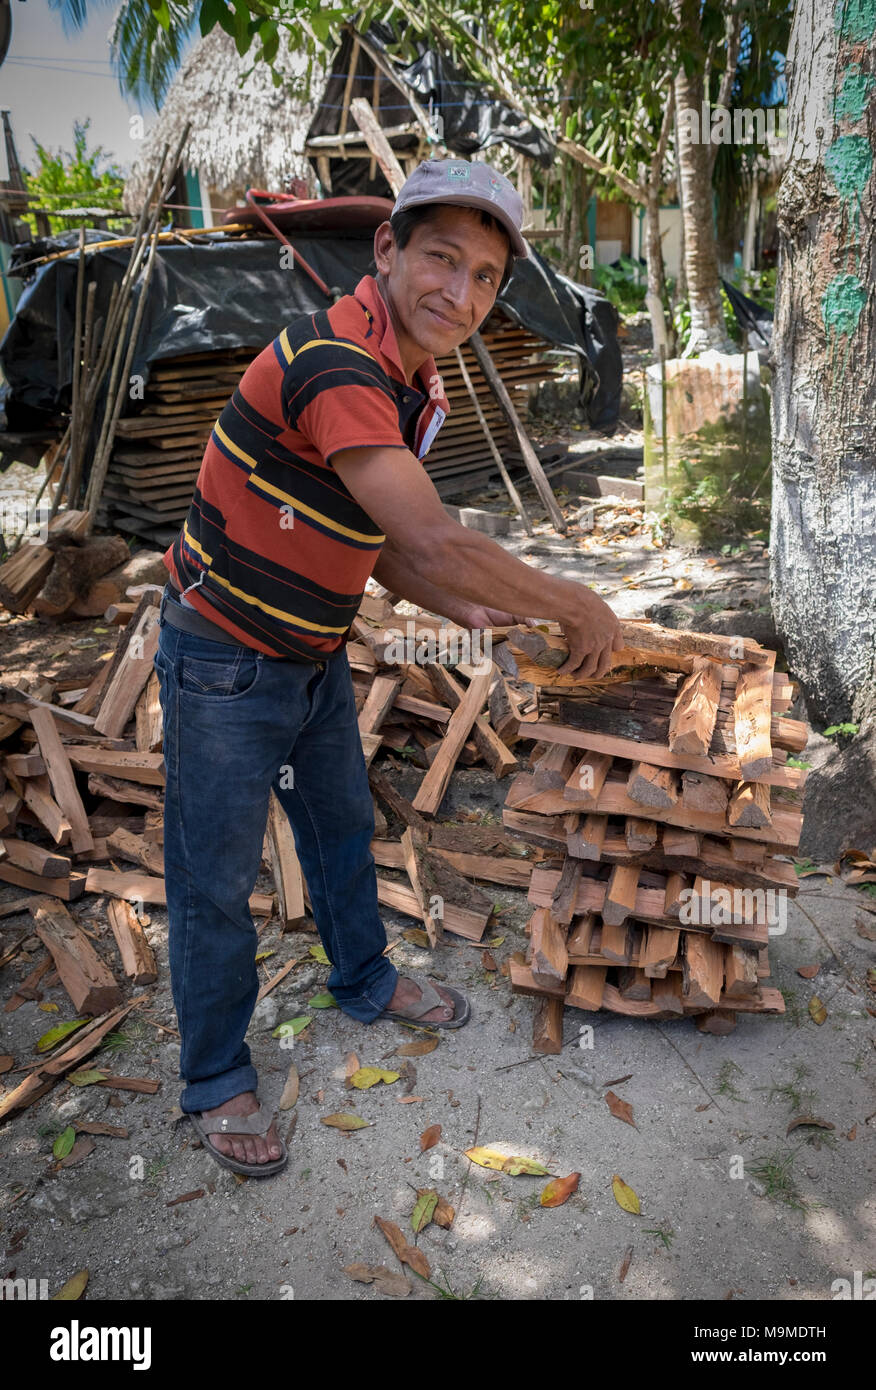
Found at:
[466, 185]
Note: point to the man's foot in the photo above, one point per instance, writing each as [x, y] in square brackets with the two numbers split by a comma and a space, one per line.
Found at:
[407, 993]
[246, 1148]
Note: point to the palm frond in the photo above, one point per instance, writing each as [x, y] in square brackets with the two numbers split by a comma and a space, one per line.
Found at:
[144, 54]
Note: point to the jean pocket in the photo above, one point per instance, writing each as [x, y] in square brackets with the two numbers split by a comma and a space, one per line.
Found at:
[219, 678]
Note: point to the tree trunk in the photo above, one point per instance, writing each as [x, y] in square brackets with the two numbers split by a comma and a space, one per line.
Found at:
[823, 542]
[693, 156]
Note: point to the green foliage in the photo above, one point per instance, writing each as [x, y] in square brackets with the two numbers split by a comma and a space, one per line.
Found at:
[841, 729]
[619, 283]
[73, 179]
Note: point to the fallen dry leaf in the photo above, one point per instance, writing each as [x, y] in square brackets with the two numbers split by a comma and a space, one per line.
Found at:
[429, 1138]
[417, 937]
[852, 1132]
[503, 1163]
[625, 1196]
[817, 1011]
[351, 1064]
[443, 1214]
[625, 1264]
[366, 1077]
[290, 1090]
[621, 1109]
[186, 1197]
[559, 1190]
[74, 1288]
[808, 971]
[385, 1280]
[409, 1100]
[344, 1120]
[809, 1120]
[6, 1063]
[101, 1127]
[416, 1049]
[424, 1209]
[407, 1254]
[81, 1149]
[865, 930]
[488, 960]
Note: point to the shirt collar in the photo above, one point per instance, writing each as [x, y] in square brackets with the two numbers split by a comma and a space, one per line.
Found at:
[372, 300]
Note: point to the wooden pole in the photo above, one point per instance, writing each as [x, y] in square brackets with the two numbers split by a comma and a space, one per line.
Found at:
[500, 462]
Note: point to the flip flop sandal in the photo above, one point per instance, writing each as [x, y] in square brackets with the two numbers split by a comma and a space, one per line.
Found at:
[431, 999]
[258, 1123]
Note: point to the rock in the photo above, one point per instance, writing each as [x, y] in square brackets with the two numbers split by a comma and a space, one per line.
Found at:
[170, 1055]
[265, 1014]
[490, 523]
[86, 1195]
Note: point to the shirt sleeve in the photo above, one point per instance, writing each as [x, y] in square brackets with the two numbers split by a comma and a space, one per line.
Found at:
[339, 397]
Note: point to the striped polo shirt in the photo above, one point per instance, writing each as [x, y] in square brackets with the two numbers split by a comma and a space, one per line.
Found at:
[278, 547]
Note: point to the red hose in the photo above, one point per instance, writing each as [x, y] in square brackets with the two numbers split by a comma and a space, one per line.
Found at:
[251, 195]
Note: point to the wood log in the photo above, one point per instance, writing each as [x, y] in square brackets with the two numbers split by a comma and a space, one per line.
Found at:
[587, 780]
[403, 899]
[641, 835]
[505, 711]
[125, 844]
[703, 970]
[616, 942]
[138, 960]
[586, 986]
[123, 764]
[24, 574]
[146, 567]
[148, 717]
[659, 950]
[587, 840]
[547, 1027]
[36, 794]
[35, 858]
[566, 891]
[418, 870]
[62, 781]
[620, 895]
[128, 793]
[85, 977]
[554, 767]
[740, 971]
[652, 786]
[69, 888]
[76, 568]
[286, 867]
[434, 784]
[666, 994]
[379, 702]
[549, 961]
[700, 792]
[752, 712]
[633, 983]
[750, 805]
[692, 721]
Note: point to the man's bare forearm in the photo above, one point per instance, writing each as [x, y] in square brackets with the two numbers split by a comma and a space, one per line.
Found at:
[395, 573]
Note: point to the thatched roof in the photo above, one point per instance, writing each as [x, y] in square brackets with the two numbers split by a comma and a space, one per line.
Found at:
[243, 134]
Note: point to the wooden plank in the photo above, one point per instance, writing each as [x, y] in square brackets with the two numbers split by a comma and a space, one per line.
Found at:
[692, 721]
[641, 835]
[700, 792]
[616, 942]
[37, 860]
[85, 977]
[63, 783]
[403, 899]
[147, 768]
[37, 796]
[412, 844]
[125, 844]
[123, 686]
[380, 700]
[554, 767]
[587, 841]
[68, 888]
[677, 843]
[129, 793]
[752, 712]
[138, 960]
[434, 784]
[633, 983]
[286, 867]
[566, 891]
[666, 994]
[493, 749]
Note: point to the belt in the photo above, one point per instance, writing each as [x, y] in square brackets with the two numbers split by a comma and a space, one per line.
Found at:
[190, 620]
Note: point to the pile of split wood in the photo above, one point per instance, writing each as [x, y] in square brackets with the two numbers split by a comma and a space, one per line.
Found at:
[81, 812]
[665, 792]
[74, 574]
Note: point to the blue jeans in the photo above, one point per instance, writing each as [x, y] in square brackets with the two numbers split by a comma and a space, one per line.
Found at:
[236, 724]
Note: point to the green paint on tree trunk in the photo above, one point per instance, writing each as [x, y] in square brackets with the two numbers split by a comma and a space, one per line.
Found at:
[855, 20]
[841, 305]
[849, 162]
[852, 101]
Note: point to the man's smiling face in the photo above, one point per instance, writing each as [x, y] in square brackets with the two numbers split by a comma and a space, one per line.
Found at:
[443, 283]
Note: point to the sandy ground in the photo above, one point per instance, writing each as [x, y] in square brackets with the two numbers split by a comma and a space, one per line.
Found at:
[731, 1204]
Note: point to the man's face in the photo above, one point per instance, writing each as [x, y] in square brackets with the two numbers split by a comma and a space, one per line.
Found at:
[444, 283]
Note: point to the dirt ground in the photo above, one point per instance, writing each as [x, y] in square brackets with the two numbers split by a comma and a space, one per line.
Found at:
[736, 1201]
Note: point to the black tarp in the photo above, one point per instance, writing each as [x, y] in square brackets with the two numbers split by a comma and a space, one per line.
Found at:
[220, 294]
[754, 319]
[471, 119]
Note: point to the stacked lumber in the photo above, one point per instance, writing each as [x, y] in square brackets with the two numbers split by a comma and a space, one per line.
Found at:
[665, 796]
[158, 451]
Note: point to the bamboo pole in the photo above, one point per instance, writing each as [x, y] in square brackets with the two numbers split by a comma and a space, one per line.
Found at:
[500, 462]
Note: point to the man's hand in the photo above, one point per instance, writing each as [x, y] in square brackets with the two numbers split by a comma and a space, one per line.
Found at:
[592, 638]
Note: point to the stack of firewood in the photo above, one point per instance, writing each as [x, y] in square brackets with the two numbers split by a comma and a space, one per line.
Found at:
[666, 794]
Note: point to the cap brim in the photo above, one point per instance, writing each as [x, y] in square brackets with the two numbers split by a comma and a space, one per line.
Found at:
[519, 245]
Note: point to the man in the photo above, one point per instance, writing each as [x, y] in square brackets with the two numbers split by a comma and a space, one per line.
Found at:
[311, 482]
